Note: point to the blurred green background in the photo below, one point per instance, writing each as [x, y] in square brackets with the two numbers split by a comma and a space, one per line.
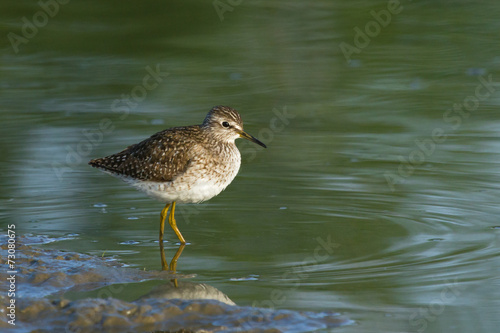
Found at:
[389, 155]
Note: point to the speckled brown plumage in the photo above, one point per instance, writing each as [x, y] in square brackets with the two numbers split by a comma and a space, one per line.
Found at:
[159, 158]
[190, 152]
[168, 153]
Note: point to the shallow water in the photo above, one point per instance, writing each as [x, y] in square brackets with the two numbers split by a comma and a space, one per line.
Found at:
[60, 291]
[374, 198]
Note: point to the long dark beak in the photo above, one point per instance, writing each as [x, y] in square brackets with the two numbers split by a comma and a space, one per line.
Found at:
[247, 136]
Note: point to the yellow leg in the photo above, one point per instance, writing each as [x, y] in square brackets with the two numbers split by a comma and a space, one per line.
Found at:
[163, 215]
[164, 264]
[173, 263]
[173, 224]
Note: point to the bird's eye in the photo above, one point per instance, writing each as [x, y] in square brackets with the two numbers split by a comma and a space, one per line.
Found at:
[225, 124]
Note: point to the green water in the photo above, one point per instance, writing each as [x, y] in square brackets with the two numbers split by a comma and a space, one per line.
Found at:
[377, 196]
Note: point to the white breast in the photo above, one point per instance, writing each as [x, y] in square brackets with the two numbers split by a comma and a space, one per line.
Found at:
[203, 180]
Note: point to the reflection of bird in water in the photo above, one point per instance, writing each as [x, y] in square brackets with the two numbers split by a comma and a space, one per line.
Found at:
[175, 289]
[189, 291]
[183, 164]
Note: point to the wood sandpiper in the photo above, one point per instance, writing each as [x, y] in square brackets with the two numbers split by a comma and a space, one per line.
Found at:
[187, 164]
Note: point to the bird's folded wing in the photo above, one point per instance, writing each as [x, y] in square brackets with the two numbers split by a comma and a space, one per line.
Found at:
[162, 157]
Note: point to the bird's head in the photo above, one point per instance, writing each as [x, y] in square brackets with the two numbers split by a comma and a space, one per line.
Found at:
[226, 125]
